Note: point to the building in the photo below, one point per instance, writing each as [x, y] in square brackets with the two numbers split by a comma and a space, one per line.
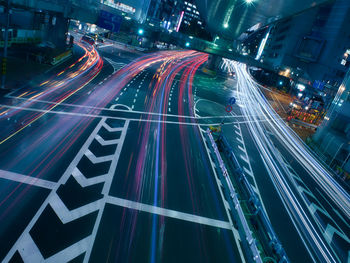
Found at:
[190, 21]
[178, 15]
[311, 47]
[333, 136]
[135, 9]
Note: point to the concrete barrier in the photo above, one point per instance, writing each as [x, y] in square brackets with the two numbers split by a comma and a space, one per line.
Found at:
[60, 58]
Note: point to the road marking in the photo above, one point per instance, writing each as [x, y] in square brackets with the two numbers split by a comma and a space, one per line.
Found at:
[66, 215]
[240, 140]
[241, 148]
[168, 213]
[47, 111]
[27, 179]
[104, 142]
[29, 251]
[244, 158]
[248, 172]
[121, 118]
[95, 160]
[84, 182]
[120, 110]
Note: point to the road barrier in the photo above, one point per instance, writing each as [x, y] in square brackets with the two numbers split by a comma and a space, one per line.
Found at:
[243, 228]
[267, 234]
[304, 124]
[61, 57]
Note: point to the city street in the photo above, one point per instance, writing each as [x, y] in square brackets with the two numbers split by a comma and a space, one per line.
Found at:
[106, 160]
[175, 131]
[107, 152]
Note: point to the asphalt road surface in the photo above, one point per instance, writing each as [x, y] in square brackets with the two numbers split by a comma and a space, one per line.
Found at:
[104, 159]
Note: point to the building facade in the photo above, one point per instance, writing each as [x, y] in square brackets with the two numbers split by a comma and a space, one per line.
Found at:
[135, 9]
[313, 45]
[333, 135]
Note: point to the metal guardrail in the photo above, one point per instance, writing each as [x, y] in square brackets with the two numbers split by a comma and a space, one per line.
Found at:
[274, 243]
[243, 227]
[305, 124]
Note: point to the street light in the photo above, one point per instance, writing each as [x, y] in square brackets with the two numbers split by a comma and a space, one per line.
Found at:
[140, 32]
[187, 44]
[226, 25]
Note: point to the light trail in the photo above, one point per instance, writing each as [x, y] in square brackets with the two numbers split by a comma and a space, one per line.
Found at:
[307, 226]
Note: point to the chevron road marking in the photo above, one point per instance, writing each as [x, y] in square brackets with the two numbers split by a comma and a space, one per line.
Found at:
[84, 182]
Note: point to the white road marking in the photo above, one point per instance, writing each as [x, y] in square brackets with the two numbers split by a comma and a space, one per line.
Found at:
[29, 250]
[66, 215]
[84, 182]
[27, 179]
[168, 213]
[92, 157]
[241, 148]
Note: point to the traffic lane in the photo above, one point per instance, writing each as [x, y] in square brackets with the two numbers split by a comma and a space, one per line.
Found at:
[117, 53]
[17, 211]
[125, 234]
[289, 191]
[27, 147]
[187, 185]
[136, 93]
[330, 221]
[57, 92]
[241, 142]
[278, 215]
[45, 148]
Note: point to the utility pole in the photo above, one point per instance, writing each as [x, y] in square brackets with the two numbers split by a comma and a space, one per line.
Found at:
[6, 39]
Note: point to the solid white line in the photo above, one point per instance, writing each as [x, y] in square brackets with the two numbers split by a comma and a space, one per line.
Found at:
[29, 250]
[121, 118]
[120, 110]
[168, 213]
[27, 179]
[69, 253]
